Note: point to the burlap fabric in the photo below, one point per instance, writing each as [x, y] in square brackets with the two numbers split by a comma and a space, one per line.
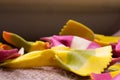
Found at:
[44, 73]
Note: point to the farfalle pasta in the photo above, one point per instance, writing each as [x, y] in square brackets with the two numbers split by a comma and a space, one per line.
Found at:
[76, 49]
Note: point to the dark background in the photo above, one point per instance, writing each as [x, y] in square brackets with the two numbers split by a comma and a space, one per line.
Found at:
[33, 19]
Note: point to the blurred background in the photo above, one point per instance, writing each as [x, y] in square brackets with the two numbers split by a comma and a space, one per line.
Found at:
[33, 19]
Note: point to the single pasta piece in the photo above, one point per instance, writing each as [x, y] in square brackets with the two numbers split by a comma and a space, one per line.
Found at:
[77, 29]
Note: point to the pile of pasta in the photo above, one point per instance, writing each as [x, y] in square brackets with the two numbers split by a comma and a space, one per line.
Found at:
[76, 49]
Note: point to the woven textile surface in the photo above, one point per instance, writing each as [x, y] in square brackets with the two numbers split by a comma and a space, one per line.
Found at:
[45, 73]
